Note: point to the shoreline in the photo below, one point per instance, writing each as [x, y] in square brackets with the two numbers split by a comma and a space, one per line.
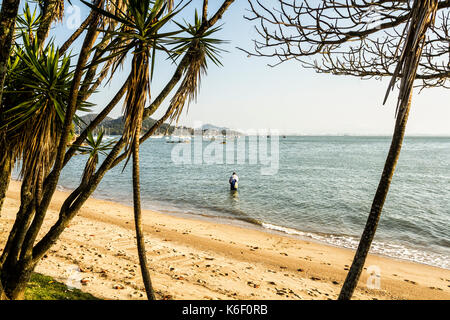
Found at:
[254, 224]
[193, 258]
[263, 227]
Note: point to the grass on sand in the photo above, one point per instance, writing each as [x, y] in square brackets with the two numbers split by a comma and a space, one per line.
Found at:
[43, 287]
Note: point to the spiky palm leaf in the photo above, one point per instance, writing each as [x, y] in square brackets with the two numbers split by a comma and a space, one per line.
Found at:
[140, 22]
[206, 43]
[37, 92]
[199, 50]
[28, 22]
[93, 147]
[138, 33]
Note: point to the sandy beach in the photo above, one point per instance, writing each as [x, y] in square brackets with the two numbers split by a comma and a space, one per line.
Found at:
[198, 259]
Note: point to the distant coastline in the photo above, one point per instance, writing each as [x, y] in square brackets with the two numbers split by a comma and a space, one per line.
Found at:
[114, 127]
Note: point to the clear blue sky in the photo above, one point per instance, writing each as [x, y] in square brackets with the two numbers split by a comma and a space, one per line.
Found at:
[247, 94]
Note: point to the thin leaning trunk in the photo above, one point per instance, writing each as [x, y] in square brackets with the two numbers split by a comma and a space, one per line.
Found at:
[138, 218]
[6, 166]
[8, 15]
[423, 14]
[377, 206]
[76, 34]
[9, 259]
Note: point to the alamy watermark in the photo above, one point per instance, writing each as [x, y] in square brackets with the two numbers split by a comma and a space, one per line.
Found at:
[374, 279]
[254, 147]
[73, 17]
[73, 273]
[372, 18]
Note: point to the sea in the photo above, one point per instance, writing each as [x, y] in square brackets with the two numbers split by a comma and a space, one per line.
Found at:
[314, 187]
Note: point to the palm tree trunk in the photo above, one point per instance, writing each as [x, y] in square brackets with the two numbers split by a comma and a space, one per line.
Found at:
[76, 34]
[6, 166]
[138, 218]
[48, 15]
[16, 270]
[8, 16]
[16, 273]
[21, 223]
[377, 206]
[14, 280]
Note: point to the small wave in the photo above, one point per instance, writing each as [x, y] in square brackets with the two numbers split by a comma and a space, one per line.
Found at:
[386, 249]
[62, 188]
[249, 220]
[199, 210]
[283, 229]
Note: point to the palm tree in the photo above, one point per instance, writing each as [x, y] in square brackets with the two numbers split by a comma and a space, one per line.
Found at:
[29, 23]
[21, 254]
[196, 49]
[37, 92]
[51, 10]
[138, 32]
[93, 147]
[199, 46]
[8, 16]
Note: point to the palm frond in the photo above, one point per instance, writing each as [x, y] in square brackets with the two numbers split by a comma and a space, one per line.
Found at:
[199, 47]
[422, 16]
[187, 92]
[207, 43]
[28, 22]
[139, 24]
[93, 147]
[37, 92]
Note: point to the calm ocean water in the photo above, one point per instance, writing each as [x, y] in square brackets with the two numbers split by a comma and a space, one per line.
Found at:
[323, 190]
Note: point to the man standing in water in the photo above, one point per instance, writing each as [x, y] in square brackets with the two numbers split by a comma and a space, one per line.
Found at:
[234, 181]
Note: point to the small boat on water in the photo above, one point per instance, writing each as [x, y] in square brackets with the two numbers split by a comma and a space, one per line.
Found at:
[180, 135]
[178, 139]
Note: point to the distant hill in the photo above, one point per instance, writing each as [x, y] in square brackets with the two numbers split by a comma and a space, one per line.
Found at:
[212, 130]
[115, 126]
[213, 127]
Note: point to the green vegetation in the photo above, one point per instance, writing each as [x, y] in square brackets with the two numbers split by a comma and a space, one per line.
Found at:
[116, 126]
[43, 287]
[43, 87]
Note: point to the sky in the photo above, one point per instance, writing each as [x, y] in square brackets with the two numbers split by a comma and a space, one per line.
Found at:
[248, 94]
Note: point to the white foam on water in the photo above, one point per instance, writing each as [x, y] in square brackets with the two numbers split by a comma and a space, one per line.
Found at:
[386, 249]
